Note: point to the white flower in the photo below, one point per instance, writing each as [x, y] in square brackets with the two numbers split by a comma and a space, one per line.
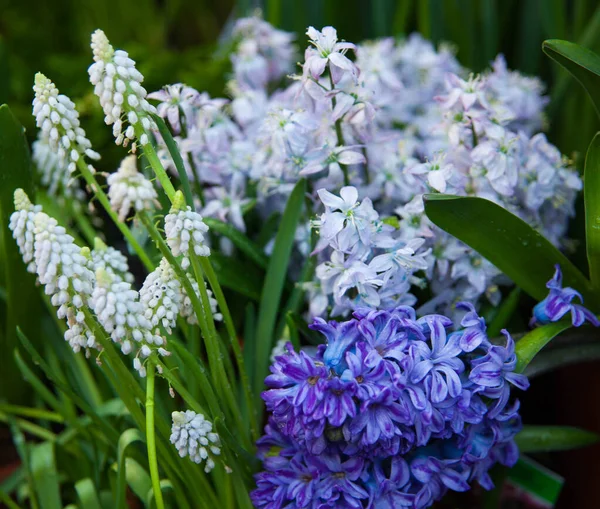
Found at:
[120, 312]
[329, 51]
[117, 83]
[56, 116]
[174, 100]
[128, 188]
[185, 230]
[112, 260]
[22, 225]
[164, 298]
[193, 436]
[62, 267]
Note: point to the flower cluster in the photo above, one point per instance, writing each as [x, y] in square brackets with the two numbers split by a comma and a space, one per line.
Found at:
[193, 436]
[185, 231]
[165, 298]
[58, 120]
[129, 188]
[62, 267]
[560, 302]
[117, 83]
[369, 265]
[120, 312]
[400, 120]
[79, 280]
[393, 411]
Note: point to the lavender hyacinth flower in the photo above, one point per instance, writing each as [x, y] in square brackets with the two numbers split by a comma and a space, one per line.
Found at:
[559, 302]
[391, 411]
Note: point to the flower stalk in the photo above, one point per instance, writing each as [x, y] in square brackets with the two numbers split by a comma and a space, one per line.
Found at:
[150, 436]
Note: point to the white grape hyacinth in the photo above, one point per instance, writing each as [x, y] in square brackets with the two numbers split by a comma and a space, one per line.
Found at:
[120, 312]
[185, 230]
[112, 260]
[56, 116]
[129, 188]
[164, 298]
[22, 225]
[62, 268]
[192, 436]
[117, 83]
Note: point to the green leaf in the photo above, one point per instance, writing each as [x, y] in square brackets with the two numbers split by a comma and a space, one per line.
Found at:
[507, 241]
[86, 492]
[529, 345]
[591, 192]
[45, 476]
[504, 312]
[127, 438]
[22, 297]
[553, 438]
[243, 280]
[243, 243]
[565, 356]
[176, 156]
[137, 478]
[582, 63]
[274, 282]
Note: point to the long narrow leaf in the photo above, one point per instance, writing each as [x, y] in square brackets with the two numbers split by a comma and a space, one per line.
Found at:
[274, 281]
[22, 300]
[507, 241]
[592, 208]
[86, 492]
[553, 438]
[45, 476]
[127, 438]
[529, 345]
[582, 63]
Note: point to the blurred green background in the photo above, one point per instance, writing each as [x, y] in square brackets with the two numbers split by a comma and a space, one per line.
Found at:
[177, 40]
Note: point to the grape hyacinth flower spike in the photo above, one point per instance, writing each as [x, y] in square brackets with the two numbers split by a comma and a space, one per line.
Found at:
[560, 302]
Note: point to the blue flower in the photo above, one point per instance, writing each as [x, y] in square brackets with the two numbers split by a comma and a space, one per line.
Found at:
[559, 303]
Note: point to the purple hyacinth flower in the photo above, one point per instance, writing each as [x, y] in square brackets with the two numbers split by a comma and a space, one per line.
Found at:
[492, 372]
[296, 379]
[390, 492]
[378, 417]
[559, 303]
[342, 486]
[474, 333]
[452, 473]
[369, 380]
[337, 403]
[439, 365]
[340, 337]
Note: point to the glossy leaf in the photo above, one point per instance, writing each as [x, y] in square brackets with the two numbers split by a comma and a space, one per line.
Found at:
[553, 438]
[507, 241]
[243, 243]
[592, 208]
[127, 438]
[581, 62]
[529, 345]
[87, 494]
[45, 476]
[22, 298]
[565, 356]
[274, 282]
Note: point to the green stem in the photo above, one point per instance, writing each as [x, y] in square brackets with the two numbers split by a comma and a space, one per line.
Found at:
[237, 350]
[103, 199]
[150, 437]
[157, 166]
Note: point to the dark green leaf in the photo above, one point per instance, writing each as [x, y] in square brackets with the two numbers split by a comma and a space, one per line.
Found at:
[243, 243]
[592, 208]
[176, 156]
[581, 62]
[507, 241]
[243, 280]
[565, 356]
[553, 438]
[22, 298]
[504, 312]
[529, 345]
[127, 438]
[86, 492]
[274, 282]
[45, 476]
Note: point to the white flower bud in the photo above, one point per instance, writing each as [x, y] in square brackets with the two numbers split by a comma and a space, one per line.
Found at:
[129, 188]
[193, 436]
